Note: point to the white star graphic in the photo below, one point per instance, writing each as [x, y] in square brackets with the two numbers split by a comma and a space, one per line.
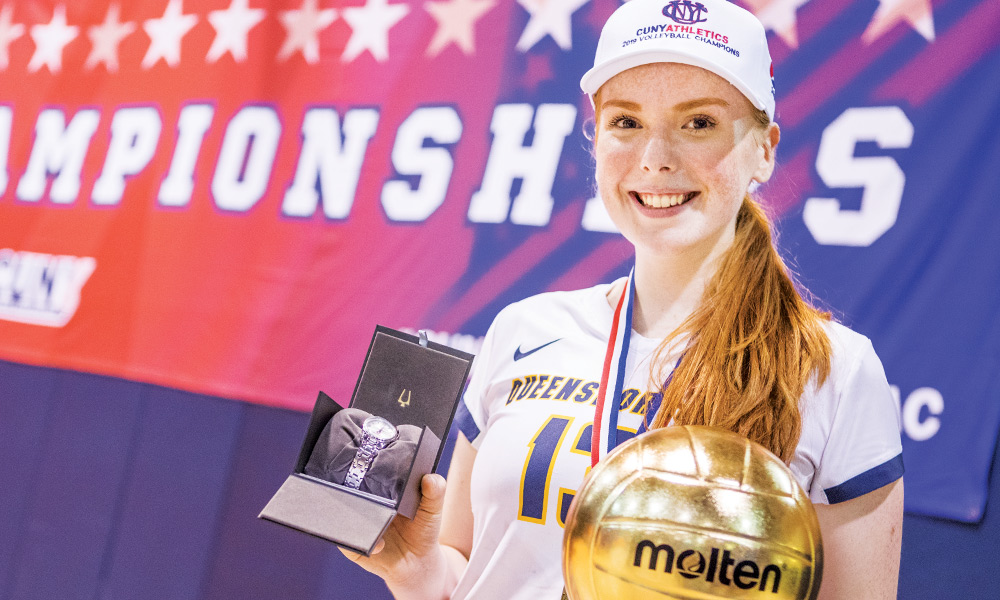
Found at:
[370, 26]
[104, 39]
[302, 28]
[456, 21]
[231, 28]
[165, 35]
[778, 16]
[548, 17]
[50, 40]
[8, 33]
[915, 12]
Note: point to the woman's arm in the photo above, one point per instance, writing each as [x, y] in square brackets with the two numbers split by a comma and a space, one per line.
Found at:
[456, 523]
[861, 545]
[422, 558]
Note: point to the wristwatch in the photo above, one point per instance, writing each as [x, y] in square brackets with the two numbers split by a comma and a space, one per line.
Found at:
[376, 434]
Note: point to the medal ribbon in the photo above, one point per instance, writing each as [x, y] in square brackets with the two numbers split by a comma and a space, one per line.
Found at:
[609, 395]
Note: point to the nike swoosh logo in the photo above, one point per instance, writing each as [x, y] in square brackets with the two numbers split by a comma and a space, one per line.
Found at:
[518, 355]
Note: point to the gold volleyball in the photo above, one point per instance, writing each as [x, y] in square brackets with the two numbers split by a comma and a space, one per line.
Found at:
[691, 513]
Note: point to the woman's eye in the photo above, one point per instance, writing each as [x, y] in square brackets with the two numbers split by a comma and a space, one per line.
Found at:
[700, 122]
[624, 122]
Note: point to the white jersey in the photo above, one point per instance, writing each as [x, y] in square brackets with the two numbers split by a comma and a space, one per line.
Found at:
[529, 412]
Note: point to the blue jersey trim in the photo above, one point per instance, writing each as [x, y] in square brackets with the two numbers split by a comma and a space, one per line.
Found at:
[465, 423]
[869, 481]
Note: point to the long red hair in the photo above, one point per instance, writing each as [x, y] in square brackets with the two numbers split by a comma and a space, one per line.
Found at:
[754, 345]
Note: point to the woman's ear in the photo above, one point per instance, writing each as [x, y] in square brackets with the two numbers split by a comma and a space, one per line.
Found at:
[768, 139]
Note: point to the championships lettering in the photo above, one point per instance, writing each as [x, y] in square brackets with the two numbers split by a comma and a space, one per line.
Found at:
[317, 168]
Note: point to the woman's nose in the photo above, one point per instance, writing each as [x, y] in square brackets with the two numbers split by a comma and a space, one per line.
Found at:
[659, 154]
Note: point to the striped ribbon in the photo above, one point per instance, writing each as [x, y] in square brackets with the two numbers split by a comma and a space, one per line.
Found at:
[609, 395]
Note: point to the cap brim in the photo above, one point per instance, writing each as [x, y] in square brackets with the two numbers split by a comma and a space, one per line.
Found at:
[599, 75]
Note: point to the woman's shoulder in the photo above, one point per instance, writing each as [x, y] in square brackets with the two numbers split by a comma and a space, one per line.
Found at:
[843, 339]
[848, 348]
[856, 371]
[580, 315]
[587, 304]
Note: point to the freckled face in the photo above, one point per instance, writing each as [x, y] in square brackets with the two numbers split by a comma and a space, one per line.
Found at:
[677, 147]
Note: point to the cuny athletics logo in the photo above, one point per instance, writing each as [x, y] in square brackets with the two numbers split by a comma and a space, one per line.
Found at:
[685, 12]
[41, 289]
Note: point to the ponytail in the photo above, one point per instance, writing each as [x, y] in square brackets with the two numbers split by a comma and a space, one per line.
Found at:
[755, 343]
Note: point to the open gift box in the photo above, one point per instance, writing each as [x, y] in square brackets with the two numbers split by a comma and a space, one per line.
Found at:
[406, 380]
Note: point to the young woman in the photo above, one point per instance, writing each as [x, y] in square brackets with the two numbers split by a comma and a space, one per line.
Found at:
[714, 332]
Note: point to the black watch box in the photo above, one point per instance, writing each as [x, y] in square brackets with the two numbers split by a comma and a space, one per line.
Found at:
[407, 380]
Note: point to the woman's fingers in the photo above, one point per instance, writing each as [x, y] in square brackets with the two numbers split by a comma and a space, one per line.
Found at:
[410, 541]
[432, 490]
[431, 500]
[421, 534]
[353, 556]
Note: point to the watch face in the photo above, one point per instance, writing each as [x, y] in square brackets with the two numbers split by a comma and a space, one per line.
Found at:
[380, 429]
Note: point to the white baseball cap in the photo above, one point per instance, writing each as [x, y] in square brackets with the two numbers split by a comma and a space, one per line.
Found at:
[712, 34]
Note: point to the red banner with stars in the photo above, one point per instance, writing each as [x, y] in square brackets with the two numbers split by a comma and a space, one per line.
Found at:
[227, 196]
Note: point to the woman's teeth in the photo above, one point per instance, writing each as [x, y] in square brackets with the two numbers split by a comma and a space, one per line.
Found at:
[664, 200]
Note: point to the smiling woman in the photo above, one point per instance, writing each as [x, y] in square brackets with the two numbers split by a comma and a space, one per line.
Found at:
[677, 147]
[671, 135]
[709, 329]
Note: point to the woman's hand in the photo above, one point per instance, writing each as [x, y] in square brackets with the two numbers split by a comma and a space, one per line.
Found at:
[409, 556]
[422, 558]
